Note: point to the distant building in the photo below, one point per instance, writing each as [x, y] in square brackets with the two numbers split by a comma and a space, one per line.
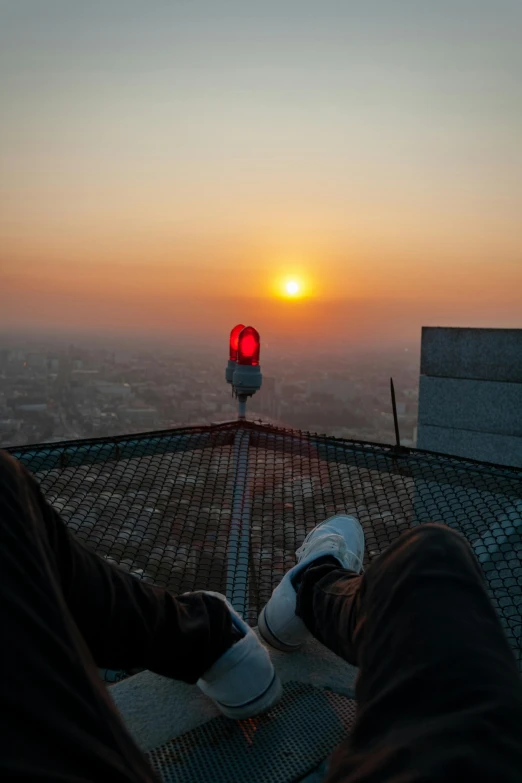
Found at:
[340, 389]
[269, 397]
[36, 361]
[121, 390]
[27, 405]
[8, 425]
[85, 376]
[122, 357]
[190, 406]
[140, 415]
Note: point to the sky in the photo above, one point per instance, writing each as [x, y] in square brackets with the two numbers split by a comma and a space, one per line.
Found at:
[168, 166]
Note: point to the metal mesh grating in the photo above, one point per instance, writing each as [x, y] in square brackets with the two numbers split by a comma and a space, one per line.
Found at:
[284, 745]
[225, 507]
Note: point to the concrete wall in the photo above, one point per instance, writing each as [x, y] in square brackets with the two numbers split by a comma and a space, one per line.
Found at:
[470, 393]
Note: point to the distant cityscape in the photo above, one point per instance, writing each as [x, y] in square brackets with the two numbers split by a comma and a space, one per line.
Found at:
[52, 390]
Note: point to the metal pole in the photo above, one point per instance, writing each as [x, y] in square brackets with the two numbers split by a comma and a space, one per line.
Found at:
[241, 412]
[395, 417]
[239, 537]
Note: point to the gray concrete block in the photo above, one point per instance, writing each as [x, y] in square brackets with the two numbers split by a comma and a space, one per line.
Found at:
[155, 709]
[500, 449]
[483, 406]
[481, 354]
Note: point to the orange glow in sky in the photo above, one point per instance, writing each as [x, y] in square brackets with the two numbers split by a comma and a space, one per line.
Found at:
[339, 171]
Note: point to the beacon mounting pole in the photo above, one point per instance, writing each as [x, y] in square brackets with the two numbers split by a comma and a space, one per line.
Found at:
[243, 373]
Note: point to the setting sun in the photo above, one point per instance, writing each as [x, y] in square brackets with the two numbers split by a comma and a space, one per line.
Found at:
[292, 285]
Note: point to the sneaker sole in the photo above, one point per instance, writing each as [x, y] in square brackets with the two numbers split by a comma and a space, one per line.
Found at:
[272, 640]
[258, 706]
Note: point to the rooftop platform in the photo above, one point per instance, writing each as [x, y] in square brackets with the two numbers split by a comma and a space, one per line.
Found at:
[224, 508]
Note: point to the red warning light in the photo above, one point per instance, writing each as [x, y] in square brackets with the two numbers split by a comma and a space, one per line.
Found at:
[234, 341]
[249, 346]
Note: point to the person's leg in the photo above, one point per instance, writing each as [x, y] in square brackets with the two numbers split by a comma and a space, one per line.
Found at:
[64, 611]
[125, 622]
[439, 695]
[130, 624]
[59, 722]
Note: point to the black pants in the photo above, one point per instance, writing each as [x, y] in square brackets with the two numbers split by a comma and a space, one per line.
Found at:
[439, 694]
[66, 611]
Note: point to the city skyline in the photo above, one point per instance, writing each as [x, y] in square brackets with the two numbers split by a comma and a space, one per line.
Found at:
[54, 389]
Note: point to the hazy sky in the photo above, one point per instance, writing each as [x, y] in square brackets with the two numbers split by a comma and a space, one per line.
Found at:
[167, 163]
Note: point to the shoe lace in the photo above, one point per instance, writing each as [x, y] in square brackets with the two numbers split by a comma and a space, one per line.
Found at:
[332, 541]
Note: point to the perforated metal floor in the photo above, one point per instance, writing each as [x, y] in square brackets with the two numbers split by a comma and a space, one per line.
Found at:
[284, 745]
[225, 507]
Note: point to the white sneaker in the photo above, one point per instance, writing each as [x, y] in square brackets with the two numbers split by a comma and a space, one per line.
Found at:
[242, 682]
[341, 537]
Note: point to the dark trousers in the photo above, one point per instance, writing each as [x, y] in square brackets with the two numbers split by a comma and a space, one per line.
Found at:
[66, 611]
[439, 694]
